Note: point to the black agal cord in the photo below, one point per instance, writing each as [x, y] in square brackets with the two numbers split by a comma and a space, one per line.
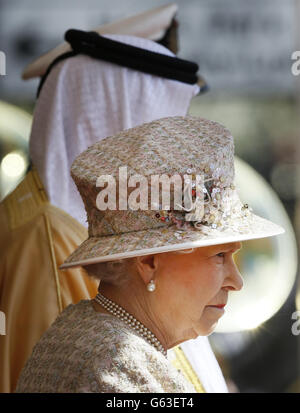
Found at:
[99, 47]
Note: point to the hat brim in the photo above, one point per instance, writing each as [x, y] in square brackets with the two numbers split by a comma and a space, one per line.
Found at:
[165, 239]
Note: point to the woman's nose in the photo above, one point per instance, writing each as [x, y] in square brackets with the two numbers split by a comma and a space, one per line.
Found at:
[234, 281]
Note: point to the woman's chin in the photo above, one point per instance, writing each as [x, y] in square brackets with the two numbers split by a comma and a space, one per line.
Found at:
[212, 329]
[209, 320]
[207, 328]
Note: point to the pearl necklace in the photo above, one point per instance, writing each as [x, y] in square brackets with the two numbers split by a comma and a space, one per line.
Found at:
[123, 315]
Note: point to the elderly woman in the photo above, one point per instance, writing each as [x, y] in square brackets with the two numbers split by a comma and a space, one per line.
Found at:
[165, 271]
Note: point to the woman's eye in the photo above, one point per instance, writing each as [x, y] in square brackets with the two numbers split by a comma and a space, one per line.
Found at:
[221, 254]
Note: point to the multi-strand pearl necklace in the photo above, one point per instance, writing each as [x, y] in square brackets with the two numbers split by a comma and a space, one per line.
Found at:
[123, 315]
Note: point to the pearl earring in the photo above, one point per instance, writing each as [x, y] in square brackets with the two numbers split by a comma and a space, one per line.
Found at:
[151, 286]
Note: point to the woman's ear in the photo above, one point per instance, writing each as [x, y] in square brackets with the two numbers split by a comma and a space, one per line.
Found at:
[146, 266]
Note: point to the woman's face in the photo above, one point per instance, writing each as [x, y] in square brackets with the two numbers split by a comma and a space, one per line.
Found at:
[193, 288]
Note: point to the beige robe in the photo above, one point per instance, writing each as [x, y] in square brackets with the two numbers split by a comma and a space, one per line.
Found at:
[35, 238]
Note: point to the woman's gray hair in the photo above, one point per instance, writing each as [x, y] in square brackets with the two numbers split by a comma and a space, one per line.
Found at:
[111, 272]
[117, 272]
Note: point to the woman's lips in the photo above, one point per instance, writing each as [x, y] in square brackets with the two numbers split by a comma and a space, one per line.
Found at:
[217, 306]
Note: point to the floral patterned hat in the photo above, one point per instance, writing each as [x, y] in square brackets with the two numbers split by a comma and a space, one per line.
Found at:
[184, 147]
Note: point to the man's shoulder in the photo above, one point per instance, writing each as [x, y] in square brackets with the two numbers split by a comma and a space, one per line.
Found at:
[25, 202]
[28, 203]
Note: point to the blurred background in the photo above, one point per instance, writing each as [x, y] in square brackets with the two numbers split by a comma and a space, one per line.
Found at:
[244, 51]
